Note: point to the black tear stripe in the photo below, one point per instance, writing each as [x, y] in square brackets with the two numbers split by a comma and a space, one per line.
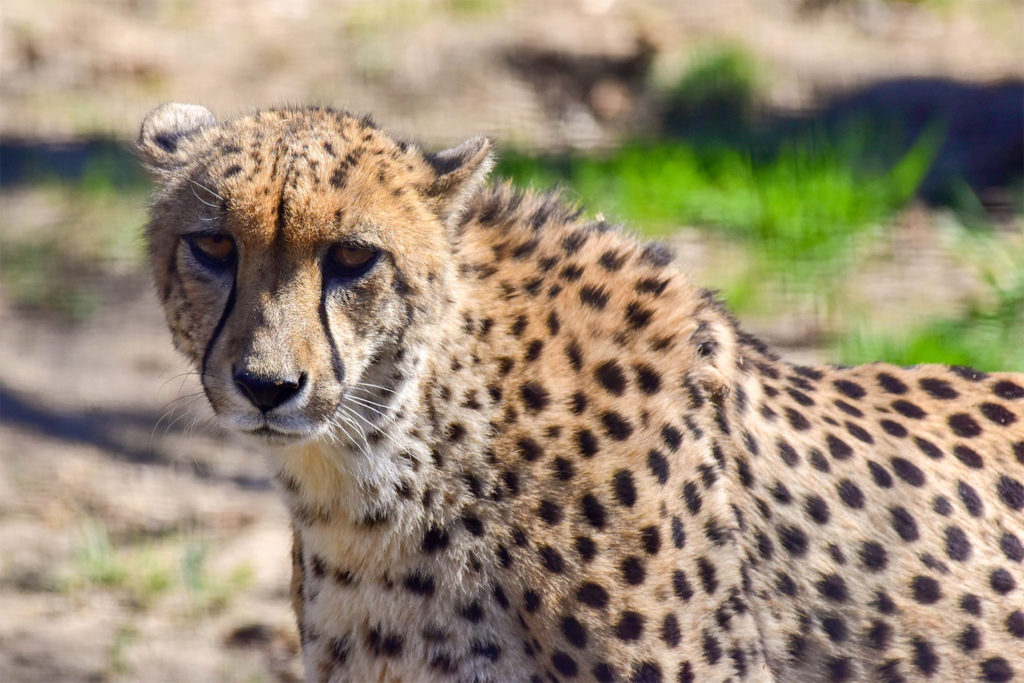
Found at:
[220, 325]
[336, 364]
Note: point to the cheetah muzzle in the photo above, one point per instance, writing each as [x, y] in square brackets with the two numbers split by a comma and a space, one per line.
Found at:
[519, 445]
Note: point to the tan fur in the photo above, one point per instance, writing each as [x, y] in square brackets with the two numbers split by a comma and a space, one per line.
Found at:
[528, 448]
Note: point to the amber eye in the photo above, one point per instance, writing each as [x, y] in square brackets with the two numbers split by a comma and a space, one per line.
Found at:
[214, 250]
[349, 260]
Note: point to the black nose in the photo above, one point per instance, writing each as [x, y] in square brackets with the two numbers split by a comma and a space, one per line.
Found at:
[267, 393]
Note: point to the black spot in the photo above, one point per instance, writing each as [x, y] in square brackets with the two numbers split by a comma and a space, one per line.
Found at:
[616, 426]
[535, 396]
[925, 659]
[531, 601]
[609, 376]
[833, 587]
[969, 497]
[925, 590]
[848, 409]
[592, 594]
[611, 260]
[851, 389]
[818, 461]
[646, 672]
[907, 471]
[1011, 492]
[969, 639]
[436, 539]
[894, 428]
[603, 673]
[942, 506]
[473, 612]
[958, 547]
[650, 539]
[996, 669]
[575, 355]
[817, 509]
[712, 651]
[880, 475]
[658, 465]
[625, 490]
[578, 403]
[968, 373]
[637, 316]
[904, 523]
[384, 644]
[971, 604]
[797, 420]
[671, 436]
[859, 433]
[533, 350]
[552, 559]
[630, 626]
[873, 556]
[692, 496]
[800, 397]
[794, 540]
[908, 409]
[835, 629]
[586, 548]
[938, 388]
[586, 442]
[574, 632]
[593, 511]
[1002, 581]
[647, 379]
[681, 585]
[550, 512]
[839, 669]
[839, 449]
[571, 273]
[1012, 547]
[421, 584]
[651, 285]
[1008, 390]
[632, 569]
[529, 449]
[678, 535]
[891, 384]
[964, 425]
[928, 448]
[1015, 624]
[879, 635]
[670, 633]
[565, 664]
[788, 454]
[564, 469]
[998, 413]
[850, 494]
[594, 296]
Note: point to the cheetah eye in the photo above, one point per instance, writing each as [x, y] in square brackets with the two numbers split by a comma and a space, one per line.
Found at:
[349, 261]
[214, 250]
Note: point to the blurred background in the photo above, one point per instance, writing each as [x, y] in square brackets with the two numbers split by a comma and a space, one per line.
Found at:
[847, 173]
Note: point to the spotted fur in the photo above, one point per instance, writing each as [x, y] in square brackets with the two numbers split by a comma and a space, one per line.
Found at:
[527, 448]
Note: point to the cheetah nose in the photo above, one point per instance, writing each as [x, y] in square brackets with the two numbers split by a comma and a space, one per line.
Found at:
[267, 393]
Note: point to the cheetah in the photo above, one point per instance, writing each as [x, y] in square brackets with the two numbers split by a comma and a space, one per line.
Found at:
[518, 444]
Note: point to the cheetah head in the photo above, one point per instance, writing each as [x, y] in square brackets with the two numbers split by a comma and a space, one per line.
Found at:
[299, 255]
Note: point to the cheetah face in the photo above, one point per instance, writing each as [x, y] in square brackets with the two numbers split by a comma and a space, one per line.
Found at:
[297, 254]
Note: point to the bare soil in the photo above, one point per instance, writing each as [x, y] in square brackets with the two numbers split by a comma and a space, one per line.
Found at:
[138, 541]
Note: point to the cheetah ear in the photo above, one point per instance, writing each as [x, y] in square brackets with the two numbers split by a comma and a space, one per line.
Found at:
[458, 173]
[164, 136]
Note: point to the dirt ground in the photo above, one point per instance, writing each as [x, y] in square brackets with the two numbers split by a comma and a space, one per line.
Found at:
[140, 542]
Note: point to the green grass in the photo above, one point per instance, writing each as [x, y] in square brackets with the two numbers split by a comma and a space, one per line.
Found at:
[987, 335]
[800, 211]
[142, 572]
